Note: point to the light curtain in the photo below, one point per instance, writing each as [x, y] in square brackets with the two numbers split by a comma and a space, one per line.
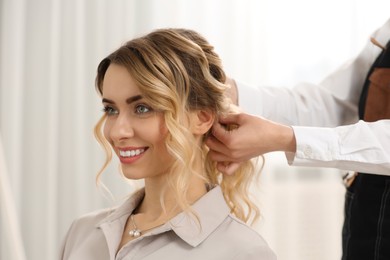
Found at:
[49, 52]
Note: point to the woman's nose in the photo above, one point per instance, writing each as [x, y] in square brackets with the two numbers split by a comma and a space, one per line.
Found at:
[122, 128]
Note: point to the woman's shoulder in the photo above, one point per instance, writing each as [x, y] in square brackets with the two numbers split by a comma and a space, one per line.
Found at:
[244, 240]
[93, 217]
[240, 230]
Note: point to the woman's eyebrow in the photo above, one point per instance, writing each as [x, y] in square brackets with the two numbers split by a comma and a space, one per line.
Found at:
[133, 99]
[105, 100]
[128, 101]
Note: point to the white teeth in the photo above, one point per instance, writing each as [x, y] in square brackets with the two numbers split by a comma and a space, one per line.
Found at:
[131, 153]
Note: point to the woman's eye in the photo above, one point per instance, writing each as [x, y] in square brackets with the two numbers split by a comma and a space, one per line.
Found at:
[110, 110]
[142, 109]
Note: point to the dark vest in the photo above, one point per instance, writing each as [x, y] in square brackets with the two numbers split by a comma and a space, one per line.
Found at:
[374, 101]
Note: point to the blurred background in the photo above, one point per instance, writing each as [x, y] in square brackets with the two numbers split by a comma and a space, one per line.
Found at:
[49, 52]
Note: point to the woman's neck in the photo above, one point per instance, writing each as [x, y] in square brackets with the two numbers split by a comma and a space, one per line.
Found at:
[151, 206]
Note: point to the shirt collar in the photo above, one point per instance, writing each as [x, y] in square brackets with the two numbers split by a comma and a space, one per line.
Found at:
[210, 211]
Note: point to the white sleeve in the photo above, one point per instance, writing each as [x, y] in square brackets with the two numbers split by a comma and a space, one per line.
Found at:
[333, 102]
[357, 146]
[363, 147]
[306, 104]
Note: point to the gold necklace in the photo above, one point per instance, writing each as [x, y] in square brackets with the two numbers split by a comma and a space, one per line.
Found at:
[135, 232]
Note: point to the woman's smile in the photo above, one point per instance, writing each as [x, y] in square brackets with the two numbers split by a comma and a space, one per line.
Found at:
[130, 155]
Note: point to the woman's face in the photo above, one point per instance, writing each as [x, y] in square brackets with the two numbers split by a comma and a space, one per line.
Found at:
[135, 131]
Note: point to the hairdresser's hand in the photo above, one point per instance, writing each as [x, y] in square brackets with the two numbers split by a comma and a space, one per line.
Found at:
[252, 136]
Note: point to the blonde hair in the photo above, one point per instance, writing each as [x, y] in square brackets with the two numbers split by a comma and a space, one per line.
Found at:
[177, 71]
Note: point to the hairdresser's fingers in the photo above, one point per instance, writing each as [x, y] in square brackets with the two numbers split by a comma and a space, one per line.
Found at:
[215, 145]
[222, 129]
[232, 118]
[228, 168]
[219, 157]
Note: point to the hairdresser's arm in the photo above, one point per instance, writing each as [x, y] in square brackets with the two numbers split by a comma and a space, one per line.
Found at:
[332, 102]
[363, 147]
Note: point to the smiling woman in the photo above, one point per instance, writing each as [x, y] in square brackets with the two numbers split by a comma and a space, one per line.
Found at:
[161, 94]
[134, 130]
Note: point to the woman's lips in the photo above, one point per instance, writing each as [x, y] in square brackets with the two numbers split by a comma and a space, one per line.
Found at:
[130, 155]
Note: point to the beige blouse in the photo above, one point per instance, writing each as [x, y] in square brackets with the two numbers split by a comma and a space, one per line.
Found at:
[96, 236]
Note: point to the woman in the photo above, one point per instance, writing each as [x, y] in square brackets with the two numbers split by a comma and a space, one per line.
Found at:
[161, 94]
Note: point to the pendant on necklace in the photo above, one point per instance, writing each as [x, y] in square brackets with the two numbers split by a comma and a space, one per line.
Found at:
[135, 233]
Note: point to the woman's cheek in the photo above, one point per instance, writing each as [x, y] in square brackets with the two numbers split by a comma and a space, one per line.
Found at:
[106, 131]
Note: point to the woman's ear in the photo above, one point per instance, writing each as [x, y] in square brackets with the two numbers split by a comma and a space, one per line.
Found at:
[201, 121]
